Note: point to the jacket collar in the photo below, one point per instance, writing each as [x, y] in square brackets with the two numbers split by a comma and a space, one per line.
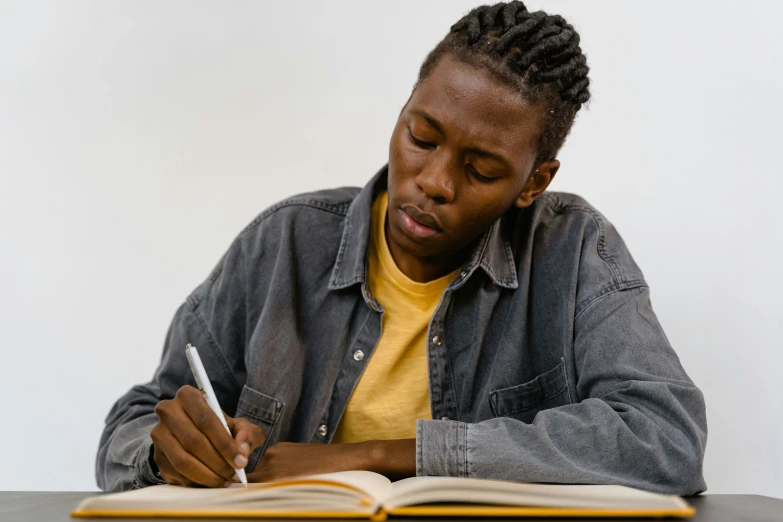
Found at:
[492, 253]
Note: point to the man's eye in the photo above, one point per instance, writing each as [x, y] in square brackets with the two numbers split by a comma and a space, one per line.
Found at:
[419, 143]
[476, 174]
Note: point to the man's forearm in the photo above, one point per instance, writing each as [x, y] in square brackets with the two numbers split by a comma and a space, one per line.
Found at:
[395, 459]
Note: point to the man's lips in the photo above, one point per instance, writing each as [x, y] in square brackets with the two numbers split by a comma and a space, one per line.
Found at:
[423, 218]
[413, 228]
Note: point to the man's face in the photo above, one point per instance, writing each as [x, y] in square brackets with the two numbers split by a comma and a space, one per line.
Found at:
[443, 191]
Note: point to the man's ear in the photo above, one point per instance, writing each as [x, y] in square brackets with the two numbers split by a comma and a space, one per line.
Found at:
[537, 182]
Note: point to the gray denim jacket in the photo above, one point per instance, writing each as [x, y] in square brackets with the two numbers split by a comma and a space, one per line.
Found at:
[546, 361]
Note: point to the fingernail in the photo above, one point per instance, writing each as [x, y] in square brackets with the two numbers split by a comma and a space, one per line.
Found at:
[245, 448]
[240, 461]
[227, 484]
[236, 478]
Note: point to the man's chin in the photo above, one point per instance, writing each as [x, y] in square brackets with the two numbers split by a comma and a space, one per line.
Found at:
[417, 247]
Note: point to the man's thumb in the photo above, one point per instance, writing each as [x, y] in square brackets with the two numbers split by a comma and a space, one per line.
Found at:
[248, 435]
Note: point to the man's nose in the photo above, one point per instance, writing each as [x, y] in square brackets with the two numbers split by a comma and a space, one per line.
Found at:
[436, 180]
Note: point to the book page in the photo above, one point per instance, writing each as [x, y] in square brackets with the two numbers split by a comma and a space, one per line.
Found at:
[421, 490]
[349, 490]
[374, 485]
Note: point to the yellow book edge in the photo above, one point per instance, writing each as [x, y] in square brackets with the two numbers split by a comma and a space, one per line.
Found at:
[227, 513]
[430, 511]
[457, 510]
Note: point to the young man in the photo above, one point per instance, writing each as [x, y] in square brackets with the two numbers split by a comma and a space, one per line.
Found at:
[450, 318]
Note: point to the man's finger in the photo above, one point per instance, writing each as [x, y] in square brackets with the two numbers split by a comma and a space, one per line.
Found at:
[216, 436]
[185, 464]
[248, 435]
[175, 419]
[168, 472]
[198, 445]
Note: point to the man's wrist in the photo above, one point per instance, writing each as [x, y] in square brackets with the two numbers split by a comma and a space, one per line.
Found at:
[395, 459]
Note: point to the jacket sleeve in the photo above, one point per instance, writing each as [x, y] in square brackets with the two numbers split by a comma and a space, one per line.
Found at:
[640, 421]
[210, 319]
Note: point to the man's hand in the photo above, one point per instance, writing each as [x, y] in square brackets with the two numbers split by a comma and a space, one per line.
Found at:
[394, 458]
[192, 447]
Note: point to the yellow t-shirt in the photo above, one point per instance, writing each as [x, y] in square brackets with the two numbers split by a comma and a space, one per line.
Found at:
[394, 390]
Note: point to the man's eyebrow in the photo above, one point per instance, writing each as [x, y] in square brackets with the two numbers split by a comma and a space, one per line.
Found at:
[432, 121]
[476, 150]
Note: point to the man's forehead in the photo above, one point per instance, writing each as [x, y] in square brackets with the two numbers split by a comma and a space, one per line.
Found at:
[480, 124]
[467, 96]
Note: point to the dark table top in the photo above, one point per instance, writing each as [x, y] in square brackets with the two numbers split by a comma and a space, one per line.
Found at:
[51, 506]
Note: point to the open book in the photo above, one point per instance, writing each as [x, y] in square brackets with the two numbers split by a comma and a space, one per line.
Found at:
[363, 494]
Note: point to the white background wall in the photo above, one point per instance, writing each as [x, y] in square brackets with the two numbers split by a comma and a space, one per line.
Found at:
[138, 138]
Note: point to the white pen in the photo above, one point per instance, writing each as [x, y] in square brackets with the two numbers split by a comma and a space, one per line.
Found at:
[209, 394]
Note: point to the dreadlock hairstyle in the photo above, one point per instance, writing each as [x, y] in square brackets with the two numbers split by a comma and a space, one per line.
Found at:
[536, 54]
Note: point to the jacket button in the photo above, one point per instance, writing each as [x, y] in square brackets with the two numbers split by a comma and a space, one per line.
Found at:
[436, 341]
[444, 418]
[358, 355]
[322, 430]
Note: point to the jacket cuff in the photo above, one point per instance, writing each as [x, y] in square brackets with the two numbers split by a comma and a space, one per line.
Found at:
[441, 448]
[143, 474]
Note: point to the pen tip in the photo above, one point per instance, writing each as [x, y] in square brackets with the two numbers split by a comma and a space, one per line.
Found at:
[245, 484]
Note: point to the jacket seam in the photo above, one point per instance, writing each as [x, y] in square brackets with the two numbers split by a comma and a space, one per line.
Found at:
[339, 209]
[561, 208]
[344, 240]
[465, 448]
[458, 414]
[419, 452]
[537, 402]
[607, 291]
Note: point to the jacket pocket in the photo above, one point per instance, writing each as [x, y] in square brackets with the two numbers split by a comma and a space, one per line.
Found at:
[263, 411]
[524, 401]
